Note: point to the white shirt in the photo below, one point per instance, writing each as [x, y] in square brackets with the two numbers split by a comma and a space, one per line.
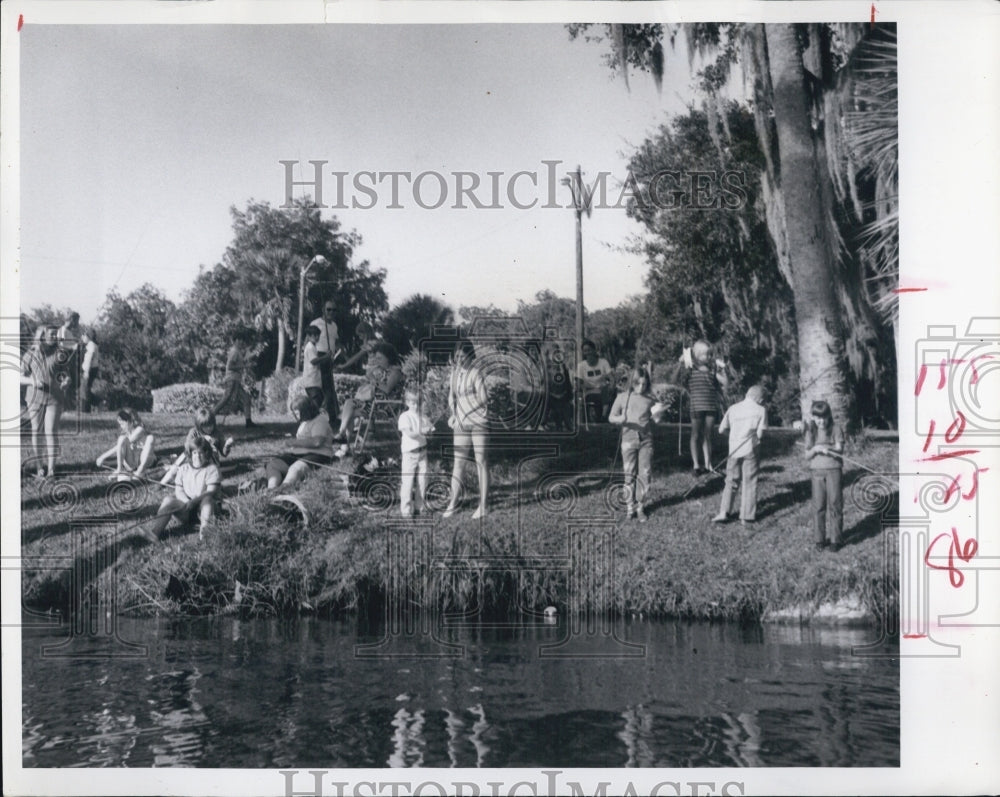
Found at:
[594, 377]
[327, 343]
[90, 355]
[310, 373]
[415, 427]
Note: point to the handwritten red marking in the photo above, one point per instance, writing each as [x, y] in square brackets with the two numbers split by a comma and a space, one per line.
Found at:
[955, 548]
[962, 452]
[873, 15]
[930, 434]
[975, 372]
[957, 426]
[908, 290]
[975, 486]
[914, 636]
[20, 22]
[920, 379]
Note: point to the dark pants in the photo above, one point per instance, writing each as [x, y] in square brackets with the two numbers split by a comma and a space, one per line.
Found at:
[86, 382]
[828, 504]
[330, 394]
[234, 392]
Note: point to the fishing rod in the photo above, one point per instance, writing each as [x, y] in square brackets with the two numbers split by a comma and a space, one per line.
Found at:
[131, 476]
[846, 458]
[714, 471]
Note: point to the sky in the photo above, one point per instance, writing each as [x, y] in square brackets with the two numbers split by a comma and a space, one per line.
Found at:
[137, 140]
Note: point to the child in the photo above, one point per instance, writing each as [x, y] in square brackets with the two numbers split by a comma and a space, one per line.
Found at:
[205, 428]
[312, 446]
[414, 426]
[704, 384]
[824, 440]
[45, 396]
[196, 487]
[134, 450]
[559, 392]
[745, 423]
[467, 402]
[312, 378]
[636, 410]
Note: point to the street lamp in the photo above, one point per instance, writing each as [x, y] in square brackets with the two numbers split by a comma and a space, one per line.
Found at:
[320, 260]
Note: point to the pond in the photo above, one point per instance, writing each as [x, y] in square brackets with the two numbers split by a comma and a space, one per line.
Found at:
[223, 692]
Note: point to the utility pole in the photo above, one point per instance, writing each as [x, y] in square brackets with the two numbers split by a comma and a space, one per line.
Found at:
[581, 204]
[302, 300]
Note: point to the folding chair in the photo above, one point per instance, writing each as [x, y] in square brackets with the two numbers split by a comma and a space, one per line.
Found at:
[379, 411]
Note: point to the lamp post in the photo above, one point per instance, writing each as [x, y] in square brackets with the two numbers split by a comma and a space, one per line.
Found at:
[318, 259]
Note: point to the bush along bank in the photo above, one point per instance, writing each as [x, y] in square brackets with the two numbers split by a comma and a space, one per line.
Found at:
[549, 518]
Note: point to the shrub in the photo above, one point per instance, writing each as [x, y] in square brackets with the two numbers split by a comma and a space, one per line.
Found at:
[185, 397]
[276, 390]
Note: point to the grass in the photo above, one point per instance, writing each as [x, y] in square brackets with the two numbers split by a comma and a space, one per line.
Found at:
[547, 539]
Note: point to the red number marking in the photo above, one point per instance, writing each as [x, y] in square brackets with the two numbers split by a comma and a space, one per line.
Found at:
[920, 378]
[962, 452]
[955, 548]
[959, 422]
[975, 486]
[930, 434]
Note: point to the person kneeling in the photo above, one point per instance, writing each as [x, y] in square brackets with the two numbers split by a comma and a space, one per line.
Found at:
[313, 445]
[196, 488]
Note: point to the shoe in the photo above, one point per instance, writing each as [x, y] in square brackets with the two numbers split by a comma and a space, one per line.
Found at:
[451, 510]
[822, 545]
[630, 513]
[641, 515]
[720, 518]
[341, 452]
[479, 513]
[835, 547]
[745, 520]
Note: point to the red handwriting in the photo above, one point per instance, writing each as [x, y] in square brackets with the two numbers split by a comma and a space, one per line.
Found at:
[873, 16]
[961, 452]
[907, 290]
[942, 377]
[965, 496]
[965, 552]
[20, 22]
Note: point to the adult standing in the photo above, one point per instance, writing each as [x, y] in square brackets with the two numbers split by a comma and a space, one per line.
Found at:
[327, 348]
[232, 384]
[89, 370]
[46, 381]
[467, 400]
[593, 374]
[68, 338]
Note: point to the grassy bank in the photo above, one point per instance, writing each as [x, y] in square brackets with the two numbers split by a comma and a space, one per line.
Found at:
[552, 501]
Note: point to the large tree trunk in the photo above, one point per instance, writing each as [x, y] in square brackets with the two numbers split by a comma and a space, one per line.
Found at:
[822, 369]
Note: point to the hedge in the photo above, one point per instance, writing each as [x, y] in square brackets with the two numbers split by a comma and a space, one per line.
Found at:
[185, 397]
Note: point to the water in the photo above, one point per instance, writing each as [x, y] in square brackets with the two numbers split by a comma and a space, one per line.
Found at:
[267, 694]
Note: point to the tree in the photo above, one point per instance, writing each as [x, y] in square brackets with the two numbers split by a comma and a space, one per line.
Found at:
[832, 262]
[138, 351]
[406, 324]
[263, 264]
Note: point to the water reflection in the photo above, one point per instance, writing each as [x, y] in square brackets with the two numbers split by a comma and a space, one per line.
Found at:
[229, 693]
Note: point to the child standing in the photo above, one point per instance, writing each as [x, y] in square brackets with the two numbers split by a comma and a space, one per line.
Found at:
[196, 487]
[703, 382]
[134, 450]
[745, 423]
[414, 426]
[312, 378]
[824, 440]
[636, 410]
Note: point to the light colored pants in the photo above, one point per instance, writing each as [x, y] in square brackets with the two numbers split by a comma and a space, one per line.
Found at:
[828, 504]
[637, 461]
[414, 464]
[741, 470]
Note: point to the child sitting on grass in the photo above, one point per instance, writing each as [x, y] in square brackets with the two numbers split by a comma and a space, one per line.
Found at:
[636, 410]
[133, 451]
[196, 488]
[745, 422]
[205, 428]
[824, 440]
[414, 426]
